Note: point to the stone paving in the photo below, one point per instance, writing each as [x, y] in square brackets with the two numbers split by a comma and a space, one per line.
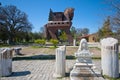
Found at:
[40, 70]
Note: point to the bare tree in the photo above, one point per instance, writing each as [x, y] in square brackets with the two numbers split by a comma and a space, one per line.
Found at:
[115, 18]
[14, 20]
[82, 31]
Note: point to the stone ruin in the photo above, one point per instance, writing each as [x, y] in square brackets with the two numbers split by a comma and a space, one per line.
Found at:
[5, 61]
[60, 67]
[83, 55]
[110, 57]
[83, 66]
[59, 21]
[109, 61]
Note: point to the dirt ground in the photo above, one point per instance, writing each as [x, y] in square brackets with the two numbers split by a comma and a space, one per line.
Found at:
[70, 50]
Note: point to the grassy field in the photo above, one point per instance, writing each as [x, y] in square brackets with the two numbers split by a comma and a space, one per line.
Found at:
[32, 52]
[70, 50]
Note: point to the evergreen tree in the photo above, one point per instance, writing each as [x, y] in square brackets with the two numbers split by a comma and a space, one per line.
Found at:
[63, 36]
[73, 32]
[50, 15]
[105, 31]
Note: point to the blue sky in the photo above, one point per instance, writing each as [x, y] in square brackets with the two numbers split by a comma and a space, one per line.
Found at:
[88, 13]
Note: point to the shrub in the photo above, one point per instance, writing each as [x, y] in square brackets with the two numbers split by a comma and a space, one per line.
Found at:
[54, 42]
[40, 41]
[63, 36]
[77, 43]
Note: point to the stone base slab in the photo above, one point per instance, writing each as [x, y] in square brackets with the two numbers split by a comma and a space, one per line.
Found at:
[85, 73]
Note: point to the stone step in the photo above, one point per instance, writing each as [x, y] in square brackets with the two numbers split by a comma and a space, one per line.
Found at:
[80, 73]
[84, 65]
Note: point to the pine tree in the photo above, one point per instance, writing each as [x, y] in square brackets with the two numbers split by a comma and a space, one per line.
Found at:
[50, 15]
[105, 31]
[63, 36]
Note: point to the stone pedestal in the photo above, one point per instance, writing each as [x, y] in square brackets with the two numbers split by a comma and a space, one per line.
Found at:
[74, 42]
[83, 56]
[84, 69]
[17, 51]
[110, 60]
[60, 62]
[85, 73]
[5, 62]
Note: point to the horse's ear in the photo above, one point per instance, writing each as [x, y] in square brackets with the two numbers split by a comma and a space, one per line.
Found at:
[72, 9]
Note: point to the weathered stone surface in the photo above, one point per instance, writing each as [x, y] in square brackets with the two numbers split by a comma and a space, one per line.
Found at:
[60, 62]
[5, 62]
[74, 42]
[17, 50]
[110, 60]
[85, 73]
[83, 45]
[83, 55]
[84, 68]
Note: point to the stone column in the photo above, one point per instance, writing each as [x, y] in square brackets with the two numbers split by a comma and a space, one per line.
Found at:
[60, 62]
[5, 62]
[74, 42]
[110, 60]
